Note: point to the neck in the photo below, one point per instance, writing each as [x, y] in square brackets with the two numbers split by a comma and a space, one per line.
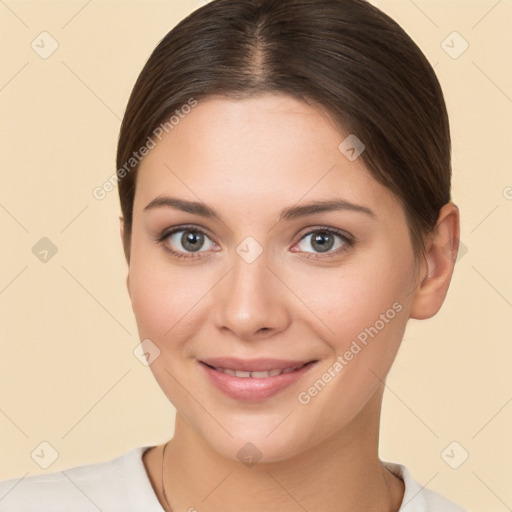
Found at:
[342, 472]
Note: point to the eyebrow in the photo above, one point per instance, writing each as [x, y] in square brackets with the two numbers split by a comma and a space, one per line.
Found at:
[293, 212]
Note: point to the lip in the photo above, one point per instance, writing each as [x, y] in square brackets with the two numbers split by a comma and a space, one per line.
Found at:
[250, 388]
[252, 365]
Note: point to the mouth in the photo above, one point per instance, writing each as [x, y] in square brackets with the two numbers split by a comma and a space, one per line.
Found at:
[257, 374]
[254, 379]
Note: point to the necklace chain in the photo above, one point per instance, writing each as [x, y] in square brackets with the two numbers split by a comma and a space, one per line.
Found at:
[163, 487]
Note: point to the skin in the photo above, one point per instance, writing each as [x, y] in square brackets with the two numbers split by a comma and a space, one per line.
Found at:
[249, 160]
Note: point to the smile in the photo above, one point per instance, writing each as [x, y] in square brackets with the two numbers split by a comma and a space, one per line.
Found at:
[253, 380]
[258, 374]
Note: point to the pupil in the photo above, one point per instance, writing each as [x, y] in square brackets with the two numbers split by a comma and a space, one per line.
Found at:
[192, 241]
[322, 242]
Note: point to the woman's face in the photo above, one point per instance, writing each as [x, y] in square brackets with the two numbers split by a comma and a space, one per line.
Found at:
[232, 266]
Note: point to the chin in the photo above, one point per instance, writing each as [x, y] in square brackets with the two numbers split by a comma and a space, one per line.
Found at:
[262, 443]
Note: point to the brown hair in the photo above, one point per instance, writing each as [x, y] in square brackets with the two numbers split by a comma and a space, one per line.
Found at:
[344, 55]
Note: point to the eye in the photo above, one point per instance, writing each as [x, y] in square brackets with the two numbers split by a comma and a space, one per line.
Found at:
[184, 240]
[324, 240]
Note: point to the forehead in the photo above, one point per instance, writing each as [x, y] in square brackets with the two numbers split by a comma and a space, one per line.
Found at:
[270, 149]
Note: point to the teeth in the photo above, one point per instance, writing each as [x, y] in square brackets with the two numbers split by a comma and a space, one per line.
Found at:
[258, 375]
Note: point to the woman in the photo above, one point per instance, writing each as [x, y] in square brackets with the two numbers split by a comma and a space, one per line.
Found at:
[284, 177]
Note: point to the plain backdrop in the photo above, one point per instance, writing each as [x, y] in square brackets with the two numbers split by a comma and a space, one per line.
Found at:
[68, 373]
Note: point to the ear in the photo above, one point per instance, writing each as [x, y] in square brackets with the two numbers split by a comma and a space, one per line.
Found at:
[440, 258]
[121, 230]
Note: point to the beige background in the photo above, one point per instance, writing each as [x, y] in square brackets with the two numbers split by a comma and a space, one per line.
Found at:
[68, 373]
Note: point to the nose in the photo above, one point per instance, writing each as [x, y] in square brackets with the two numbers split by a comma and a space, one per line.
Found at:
[251, 302]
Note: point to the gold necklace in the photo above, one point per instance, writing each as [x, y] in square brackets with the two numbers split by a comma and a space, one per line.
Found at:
[163, 487]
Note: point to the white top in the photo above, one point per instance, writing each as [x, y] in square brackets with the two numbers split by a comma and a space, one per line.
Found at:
[122, 485]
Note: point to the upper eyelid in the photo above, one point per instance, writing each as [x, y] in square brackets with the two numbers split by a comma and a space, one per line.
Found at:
[166, 233]
[192, 227]
[177, 229]
[336, 232]
[309, 231]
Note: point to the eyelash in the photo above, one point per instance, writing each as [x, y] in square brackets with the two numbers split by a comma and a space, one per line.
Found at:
[347, 242]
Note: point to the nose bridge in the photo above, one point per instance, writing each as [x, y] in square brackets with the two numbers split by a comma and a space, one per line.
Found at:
[248, 302]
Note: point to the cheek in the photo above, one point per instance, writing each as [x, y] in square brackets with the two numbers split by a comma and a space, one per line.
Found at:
[354, 298]
[366, 314]
[374, 317]
[153, 290]
[166, 299]
[162, 301]
[152, 302]
[365, 308]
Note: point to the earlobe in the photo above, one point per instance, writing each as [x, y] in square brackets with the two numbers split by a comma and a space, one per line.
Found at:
[123, 241]
[121, 230]
[128, 284]
[121, 226]
[439, 264]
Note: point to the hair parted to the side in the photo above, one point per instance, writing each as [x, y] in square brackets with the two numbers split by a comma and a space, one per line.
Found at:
[345, 56]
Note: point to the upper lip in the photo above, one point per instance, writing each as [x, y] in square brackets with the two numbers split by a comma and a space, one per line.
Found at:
[253, 365]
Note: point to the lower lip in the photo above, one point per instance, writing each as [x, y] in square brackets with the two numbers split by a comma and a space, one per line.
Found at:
[252, 389]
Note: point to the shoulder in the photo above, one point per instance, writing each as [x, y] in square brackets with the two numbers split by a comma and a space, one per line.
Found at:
[120, 484]
[418, 498]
